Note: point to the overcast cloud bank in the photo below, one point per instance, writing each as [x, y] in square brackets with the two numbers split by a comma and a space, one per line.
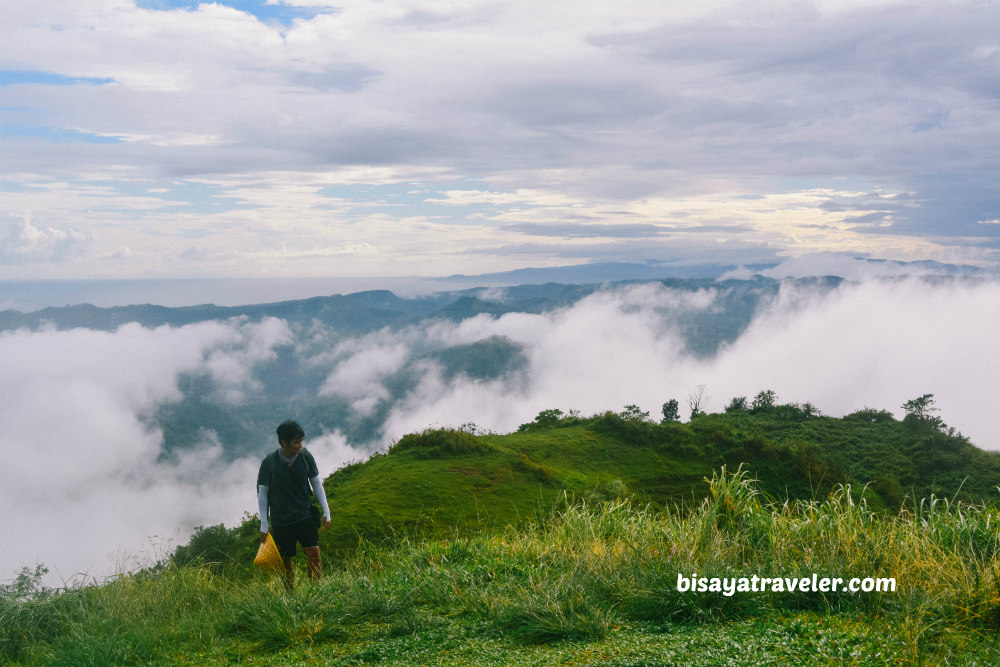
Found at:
[352, 138]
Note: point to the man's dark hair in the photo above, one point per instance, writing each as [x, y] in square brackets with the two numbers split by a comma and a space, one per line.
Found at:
[289, 430]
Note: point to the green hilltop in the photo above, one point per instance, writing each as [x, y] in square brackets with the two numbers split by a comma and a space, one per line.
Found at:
[445, 483]
[578, 541]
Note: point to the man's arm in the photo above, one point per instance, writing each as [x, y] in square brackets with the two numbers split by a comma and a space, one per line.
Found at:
[262, 506]
[317, 486]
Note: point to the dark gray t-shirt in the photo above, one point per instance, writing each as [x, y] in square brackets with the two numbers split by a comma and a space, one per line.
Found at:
[289, 494]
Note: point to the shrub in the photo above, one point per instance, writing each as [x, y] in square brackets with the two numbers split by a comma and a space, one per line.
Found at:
[275, 619]
[220, 548]
[871, 416]
[437, 443]
[545, 419]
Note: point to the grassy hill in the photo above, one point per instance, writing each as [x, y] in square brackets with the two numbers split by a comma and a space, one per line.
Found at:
[453, 482]
[443, 482]
[593, 585]
[565, 542]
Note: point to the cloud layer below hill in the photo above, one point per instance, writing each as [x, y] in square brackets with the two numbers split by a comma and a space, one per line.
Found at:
[873, 344]
[91, 489]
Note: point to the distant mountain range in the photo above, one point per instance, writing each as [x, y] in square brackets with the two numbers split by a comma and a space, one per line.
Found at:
[601, 272]
[363, 312]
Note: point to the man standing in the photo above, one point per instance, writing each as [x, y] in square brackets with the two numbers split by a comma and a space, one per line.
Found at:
[283, 496]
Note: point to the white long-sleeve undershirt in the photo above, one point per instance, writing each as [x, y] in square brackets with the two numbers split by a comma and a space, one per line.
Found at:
[320, 492]
[262, 504]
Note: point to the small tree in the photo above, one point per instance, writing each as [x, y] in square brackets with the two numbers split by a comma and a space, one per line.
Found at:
[738, 404]
[764, 401]
[695, 400]
[545, 419]
[633, 414]
[920, 408]
[920, 412]
[671, 411]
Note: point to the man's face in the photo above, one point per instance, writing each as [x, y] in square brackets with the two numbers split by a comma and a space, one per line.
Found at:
[291, 447]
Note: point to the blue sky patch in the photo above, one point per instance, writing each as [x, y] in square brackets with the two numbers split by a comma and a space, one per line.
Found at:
[59, 135]
[264, 12]
[15, 77]
[11, 186]
[190, 197]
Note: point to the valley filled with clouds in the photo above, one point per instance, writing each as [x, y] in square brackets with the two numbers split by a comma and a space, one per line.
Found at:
[116, 436]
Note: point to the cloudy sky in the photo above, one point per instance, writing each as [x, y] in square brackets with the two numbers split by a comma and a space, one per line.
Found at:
[167, 138]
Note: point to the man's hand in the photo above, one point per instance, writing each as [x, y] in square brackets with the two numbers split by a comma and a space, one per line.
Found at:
[326, 524]
[263, 538]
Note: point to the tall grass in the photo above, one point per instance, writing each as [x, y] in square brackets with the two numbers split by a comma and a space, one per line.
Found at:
[132, 620]
[583, 574]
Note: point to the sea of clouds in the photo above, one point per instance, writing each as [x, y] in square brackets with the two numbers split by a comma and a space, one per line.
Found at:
[89, 491]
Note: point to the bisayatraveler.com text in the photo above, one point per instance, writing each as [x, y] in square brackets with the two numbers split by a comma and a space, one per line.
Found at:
[813, 584]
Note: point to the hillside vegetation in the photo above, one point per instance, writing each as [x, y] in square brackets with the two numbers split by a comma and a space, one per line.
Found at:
[446, 482]
[565, 542]
[588, 585]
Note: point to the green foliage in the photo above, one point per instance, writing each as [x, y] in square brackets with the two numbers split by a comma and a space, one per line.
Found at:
[763, 402]
[871, 415]
[274, 620]
[574, 534]
[545, 419]
[439, 482]
[490, 358]
[218, 547]
[920, 408]
[738, 404]
[135, 619]
[26, 585]
[587, 584]
[538, 614]
[438, 443]
[633, 414]
[671, 411]
[920, 416]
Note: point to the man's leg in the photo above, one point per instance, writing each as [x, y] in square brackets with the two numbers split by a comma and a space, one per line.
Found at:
[284, 539]
[315, 562]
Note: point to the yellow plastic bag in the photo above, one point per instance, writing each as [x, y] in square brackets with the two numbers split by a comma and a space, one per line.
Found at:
[268, 556]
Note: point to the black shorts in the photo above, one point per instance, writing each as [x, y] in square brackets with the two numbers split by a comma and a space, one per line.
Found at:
[305, 532]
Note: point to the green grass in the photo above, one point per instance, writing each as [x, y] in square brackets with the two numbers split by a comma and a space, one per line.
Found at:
[562, 544]
[442, 482]
[590, 583]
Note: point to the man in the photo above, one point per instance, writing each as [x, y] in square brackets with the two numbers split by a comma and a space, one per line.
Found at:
[283, 496]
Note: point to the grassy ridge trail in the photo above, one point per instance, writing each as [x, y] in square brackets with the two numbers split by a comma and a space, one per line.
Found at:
[565, 542]
[589, 585]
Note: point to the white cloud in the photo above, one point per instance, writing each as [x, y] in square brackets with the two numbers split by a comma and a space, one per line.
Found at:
[85, 466]
[877, 344]
[22, 242]
[231, 364]
[361, 370]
